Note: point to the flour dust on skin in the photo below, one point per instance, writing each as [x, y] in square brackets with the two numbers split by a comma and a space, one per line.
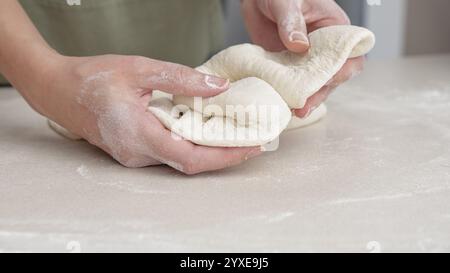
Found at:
[118, 118]
[116, 122]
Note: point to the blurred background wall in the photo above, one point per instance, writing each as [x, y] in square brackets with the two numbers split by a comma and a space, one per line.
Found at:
[428, 27]
[403, 27]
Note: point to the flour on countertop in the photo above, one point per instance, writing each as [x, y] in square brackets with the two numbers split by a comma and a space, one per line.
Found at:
[83, 171]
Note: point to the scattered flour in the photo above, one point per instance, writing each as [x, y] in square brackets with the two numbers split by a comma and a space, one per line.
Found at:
[373, 198]
[132, 188]
[391, 197]
[280, 217]
[83, 171]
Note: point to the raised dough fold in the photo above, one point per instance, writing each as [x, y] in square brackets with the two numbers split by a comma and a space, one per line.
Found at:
[279, 81]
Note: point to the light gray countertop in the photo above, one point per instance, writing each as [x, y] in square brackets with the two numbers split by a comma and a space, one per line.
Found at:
[372, 176]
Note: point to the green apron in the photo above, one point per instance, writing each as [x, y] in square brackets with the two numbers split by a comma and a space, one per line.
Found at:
[180, 31]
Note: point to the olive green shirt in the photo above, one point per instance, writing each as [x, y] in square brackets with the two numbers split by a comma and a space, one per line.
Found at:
[180, 31]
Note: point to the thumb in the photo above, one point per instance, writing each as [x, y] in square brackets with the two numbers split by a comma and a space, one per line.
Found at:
[288, 16]
[178, 79]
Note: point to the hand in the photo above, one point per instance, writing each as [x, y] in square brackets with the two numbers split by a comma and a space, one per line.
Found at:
[104, 99]
[278, 25]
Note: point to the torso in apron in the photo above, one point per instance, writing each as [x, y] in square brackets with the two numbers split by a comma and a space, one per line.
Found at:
[180, 31]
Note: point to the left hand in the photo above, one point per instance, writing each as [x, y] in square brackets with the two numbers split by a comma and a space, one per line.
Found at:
[278, 25]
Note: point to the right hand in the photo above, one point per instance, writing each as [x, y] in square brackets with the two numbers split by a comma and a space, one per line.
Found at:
[285, 25]
[104, 99]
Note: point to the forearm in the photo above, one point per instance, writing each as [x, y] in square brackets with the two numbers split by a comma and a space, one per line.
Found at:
[26, 60]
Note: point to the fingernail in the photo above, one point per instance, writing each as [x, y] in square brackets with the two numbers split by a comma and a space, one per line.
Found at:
[253, 153]
[298, 37]
[310, 111]
[215, 82]
[301, 113]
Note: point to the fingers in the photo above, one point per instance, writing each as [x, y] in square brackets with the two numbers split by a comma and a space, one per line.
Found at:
[203, 159]
[190, 158]
[313, 102]
[291, 23]
[350, 69]
[262, 30]
[292, 19]
[177, 79]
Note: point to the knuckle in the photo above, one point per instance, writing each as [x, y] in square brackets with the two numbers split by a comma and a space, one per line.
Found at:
[181, 73]
[138, 66]
[185, 79]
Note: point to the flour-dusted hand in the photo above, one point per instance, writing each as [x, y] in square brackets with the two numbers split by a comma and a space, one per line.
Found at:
[279, 25]
[104, 100]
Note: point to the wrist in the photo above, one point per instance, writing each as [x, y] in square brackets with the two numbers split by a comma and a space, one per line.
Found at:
[38, 87]
[32, 73]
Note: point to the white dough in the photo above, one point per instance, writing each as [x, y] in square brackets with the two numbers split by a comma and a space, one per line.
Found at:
[279, 81]
[263, 115]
